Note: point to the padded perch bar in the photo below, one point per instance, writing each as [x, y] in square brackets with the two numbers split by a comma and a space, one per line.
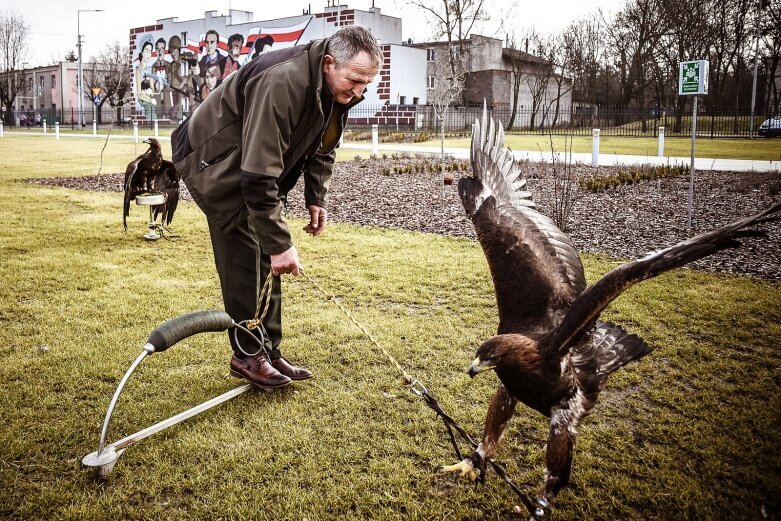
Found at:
[179, 328]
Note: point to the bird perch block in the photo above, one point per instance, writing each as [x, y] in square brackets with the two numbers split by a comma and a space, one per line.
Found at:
[150, 199]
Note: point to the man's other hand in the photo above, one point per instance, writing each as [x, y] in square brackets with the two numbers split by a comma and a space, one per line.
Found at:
[286, 262]
[317, 219]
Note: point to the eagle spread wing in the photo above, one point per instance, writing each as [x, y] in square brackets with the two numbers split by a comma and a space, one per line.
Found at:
[534, 266]
[130, 192]
[167, 183]
[595, 299]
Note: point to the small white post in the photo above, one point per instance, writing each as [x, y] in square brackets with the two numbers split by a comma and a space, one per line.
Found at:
[135, 132]
[375, 139]
[94, 127]
[156, 129]
[44, 126]
[57, 130]
[1, 129]
[595, 147]
[661, 142]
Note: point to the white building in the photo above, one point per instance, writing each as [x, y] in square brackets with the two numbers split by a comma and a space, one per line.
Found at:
[402, 79]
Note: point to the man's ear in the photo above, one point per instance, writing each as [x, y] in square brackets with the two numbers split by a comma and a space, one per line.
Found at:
[328, 60]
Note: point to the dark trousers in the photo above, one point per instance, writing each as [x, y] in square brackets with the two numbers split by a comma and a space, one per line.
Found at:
[243, 268]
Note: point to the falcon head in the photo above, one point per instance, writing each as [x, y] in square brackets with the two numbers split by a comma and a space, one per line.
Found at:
[509, 350]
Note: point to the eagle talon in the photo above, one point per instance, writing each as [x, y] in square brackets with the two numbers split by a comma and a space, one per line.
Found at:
[464, 468]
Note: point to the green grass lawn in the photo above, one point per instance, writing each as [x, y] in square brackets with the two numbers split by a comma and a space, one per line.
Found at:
[691, 432]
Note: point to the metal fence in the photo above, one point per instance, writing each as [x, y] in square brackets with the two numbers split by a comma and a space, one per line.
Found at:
[421, 120]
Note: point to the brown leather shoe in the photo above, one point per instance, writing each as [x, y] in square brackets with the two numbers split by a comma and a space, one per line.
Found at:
[289, 370]
[258, 371]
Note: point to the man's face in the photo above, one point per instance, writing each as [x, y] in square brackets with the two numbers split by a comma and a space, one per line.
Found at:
[351, 79]
[236, 49]
[160, 51]
[211, 43]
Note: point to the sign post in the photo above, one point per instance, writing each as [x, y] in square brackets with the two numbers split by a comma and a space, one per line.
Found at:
[692, 80]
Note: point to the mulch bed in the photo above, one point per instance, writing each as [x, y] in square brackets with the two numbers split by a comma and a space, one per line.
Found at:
[625, 222]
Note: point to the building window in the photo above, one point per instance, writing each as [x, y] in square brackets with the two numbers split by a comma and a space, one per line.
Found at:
[430, 55]
[30, 84]
[54, 81]
[430, 81]
[414, 101]
[402, 100]
[41, 84]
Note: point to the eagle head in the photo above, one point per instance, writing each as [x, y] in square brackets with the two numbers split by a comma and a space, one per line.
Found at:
[508, 350]
[153, 143]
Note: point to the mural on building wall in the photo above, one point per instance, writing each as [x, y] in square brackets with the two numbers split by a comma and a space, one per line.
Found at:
[171, 77]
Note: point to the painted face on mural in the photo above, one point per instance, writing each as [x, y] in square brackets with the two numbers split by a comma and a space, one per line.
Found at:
[211, 44]
[160, 51]
[211, 77]
[146, 52]
[236, 49]
[351, 79]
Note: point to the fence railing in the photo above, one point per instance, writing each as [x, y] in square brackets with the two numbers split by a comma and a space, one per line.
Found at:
[420, 119]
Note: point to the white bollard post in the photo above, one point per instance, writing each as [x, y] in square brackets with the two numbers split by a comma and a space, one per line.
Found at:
[135, 132]
[156, 130]
[57, 130]
[375, 140]
[1, 129]
[94, 128]
[595, 147]
[661, 142]
[44, 126]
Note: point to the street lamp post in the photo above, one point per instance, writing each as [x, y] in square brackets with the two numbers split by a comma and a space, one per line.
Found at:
[79, 79]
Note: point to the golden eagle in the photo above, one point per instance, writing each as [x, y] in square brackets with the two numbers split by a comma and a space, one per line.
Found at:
[150, 173]
[551, 352]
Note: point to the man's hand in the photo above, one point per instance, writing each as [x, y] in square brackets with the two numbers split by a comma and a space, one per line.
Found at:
[286, 262]
[317, 219]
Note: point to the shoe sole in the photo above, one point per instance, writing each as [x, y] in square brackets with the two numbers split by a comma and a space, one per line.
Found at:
[236, 374]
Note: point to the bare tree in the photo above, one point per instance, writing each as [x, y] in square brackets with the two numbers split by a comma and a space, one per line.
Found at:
[584, 42]
[517, 47]
[634, 36]
[109, 76]
[453, 21]
[771, 31]
[14, 47]
[537, 78]
[447, 87]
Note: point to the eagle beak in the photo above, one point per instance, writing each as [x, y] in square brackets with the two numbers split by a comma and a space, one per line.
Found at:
[478, 366]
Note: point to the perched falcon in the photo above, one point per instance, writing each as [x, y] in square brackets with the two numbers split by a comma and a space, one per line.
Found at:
[551, 352]
[150, 173]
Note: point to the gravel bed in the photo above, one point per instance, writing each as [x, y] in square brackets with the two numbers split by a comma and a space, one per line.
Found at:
[625, 222]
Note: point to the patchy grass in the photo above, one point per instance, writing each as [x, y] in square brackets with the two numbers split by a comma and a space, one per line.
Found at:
[692, 431]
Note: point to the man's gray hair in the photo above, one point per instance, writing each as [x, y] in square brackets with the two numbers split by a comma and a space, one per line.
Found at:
[348, 41]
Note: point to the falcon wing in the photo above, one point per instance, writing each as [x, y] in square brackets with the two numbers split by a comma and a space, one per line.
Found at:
[129, 191]
[589, 304]
[167, 182]
[535, 268]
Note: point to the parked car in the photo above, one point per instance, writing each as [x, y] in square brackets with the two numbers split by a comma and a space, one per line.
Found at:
[770, 127]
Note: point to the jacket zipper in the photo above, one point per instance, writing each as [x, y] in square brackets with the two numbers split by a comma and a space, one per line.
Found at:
[216, 159]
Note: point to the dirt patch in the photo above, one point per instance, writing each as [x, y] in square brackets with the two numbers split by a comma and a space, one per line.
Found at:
[625, 222]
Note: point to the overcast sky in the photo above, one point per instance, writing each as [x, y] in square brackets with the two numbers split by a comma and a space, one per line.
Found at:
[53, 22]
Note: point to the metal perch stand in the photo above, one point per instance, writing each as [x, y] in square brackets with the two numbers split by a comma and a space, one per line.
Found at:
[165, 336]
[151, 200]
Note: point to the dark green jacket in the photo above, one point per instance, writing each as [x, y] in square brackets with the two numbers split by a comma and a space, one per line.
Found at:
[267, 119]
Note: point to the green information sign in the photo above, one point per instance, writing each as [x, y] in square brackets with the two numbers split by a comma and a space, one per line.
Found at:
[693, 77]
